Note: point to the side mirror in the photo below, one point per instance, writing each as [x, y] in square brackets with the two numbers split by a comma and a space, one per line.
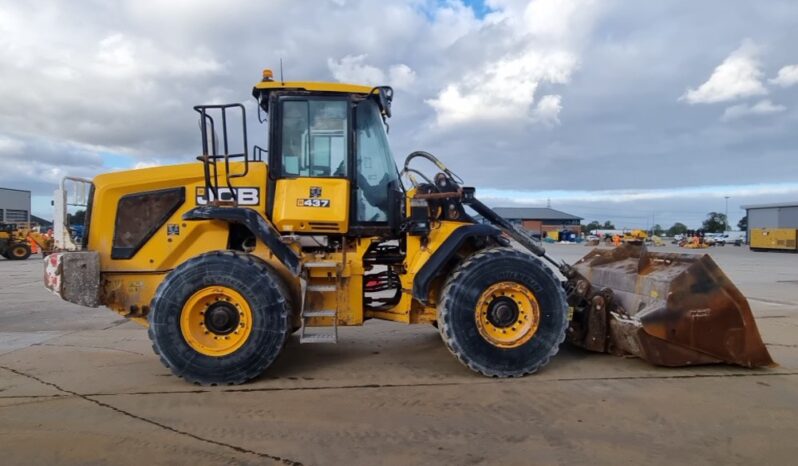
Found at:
[384, 96]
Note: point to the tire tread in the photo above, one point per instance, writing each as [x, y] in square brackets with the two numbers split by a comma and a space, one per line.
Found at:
[444, 310]
[275, 282]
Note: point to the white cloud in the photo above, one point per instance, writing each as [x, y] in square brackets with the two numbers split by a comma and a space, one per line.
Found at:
[10, 146]
[737, 77]
[352, 69]
[121, 56]
[547, 110]
[763, 107]
[505, 90]
[542, 43]
[110, 84]
[401, 76]
[452, 21]
[147, 164]
[788, 76]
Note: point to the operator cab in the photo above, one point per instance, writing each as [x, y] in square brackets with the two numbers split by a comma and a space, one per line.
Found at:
[331, 170]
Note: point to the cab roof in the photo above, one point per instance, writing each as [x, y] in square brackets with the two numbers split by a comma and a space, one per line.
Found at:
[266, 87]
[261, 91]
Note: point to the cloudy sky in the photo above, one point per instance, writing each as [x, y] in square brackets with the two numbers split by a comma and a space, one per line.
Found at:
[632, 111]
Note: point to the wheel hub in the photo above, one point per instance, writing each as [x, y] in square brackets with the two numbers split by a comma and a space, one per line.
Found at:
[216, 321]
[502, 312]
[221, 318]
[507, 314]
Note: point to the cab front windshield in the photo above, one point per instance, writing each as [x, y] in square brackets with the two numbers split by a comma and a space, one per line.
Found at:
[376, 169]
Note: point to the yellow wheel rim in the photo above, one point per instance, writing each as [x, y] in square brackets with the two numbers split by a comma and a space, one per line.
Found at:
[216, 321]
[18, 251]
[507, 314]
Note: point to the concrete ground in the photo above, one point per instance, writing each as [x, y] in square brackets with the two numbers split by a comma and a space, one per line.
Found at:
[82, 386]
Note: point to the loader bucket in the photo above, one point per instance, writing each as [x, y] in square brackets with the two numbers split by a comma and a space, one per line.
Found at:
[668, 309]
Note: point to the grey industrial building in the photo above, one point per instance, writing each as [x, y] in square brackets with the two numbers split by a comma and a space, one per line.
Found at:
[780, 215]
[14, 205]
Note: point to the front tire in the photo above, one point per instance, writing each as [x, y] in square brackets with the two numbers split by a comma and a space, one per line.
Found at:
[220, 318]
[503, 313]
[18, 252]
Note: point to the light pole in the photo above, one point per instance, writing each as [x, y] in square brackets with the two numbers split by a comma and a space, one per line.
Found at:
[726, 223]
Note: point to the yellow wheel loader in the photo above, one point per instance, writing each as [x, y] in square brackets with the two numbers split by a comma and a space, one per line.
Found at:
[225, 257]
[637, 237]
[15, 241]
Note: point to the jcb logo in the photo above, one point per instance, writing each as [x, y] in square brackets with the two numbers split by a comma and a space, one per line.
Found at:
[246, 196]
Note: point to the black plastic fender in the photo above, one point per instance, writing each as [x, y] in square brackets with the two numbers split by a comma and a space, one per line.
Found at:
[258, 225]
[441, 256]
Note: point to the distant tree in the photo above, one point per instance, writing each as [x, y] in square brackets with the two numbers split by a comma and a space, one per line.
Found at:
[677, 229]
[715, 223]
[743, 224]
[657, 230]
[608, 225]
[594, 225]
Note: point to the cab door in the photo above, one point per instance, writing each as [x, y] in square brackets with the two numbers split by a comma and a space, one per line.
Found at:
[310, 164]
[377, 195]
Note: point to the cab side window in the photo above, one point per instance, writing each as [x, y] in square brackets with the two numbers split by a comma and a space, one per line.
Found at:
[314, 137]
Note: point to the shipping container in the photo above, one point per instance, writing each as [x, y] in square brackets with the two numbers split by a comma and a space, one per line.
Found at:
[783, 239]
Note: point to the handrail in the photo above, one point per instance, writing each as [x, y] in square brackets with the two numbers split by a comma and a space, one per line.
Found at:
[211, 155]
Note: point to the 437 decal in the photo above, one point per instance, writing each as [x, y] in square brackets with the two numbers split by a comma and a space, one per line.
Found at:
[313, 202]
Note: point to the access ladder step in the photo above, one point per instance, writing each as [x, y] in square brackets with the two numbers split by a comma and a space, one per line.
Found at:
[321, 288]
[318, 338]
[320, 313]
[321, 265]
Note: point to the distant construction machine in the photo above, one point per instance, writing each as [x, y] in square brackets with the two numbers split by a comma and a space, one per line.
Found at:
[15, 241]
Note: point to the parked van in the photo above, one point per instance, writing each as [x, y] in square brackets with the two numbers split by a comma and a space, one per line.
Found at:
[736, 238]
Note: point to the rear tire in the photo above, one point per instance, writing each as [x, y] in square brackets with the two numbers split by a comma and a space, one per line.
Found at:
[463, 301]
[18, 252]
[246, 347]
